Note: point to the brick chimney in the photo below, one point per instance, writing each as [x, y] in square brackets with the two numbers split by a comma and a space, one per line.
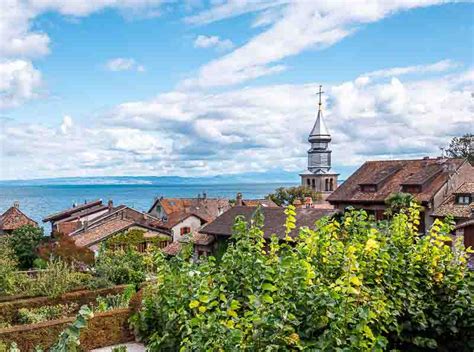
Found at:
[16, 204]
[238, 199]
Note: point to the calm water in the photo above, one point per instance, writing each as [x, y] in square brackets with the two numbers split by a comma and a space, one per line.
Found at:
[39, 201]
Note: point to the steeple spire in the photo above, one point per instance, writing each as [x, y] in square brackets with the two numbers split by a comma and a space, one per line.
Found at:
[319, 130]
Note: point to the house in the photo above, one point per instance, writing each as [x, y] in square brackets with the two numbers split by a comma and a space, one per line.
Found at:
[459, 204]
[221, 229]
[69, 220]
[186, 215]
[465, 230]
[429, 180]
[119, 220]
[13, 219]
[239, 201]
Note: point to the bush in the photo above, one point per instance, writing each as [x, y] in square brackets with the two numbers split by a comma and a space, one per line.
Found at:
[120, 300]
[8, 267]
[287, 196]
[349, 285]
[24, 242]
[37, 315]
[121, 267]
[64, 248]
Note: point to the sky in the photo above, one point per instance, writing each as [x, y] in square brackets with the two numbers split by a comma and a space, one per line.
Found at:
[197, 88]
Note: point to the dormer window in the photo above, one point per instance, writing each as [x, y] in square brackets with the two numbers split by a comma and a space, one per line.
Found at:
[411, 188]
[368, 188]
[463, 199]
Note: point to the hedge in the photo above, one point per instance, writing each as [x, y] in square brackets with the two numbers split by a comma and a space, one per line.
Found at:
[8, 310]
[104, 329]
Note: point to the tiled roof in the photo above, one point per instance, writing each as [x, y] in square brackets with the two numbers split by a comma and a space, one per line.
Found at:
[450, 207]
[206, 208]
[390, 175]
[68, 212]
[274, 220]
[175, 218]
[257, 202]
[202, 238]
[465, 188]
[86, 212]
[101, 232]
[172, 249]
[14, 218]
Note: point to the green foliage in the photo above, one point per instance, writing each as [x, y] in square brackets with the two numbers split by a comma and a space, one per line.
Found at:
[8, 267]
[121, 267]
[349, 285]
[287, 196]
[24, 242]
[44, 313]
[111, 302]
[119, 349]
[64, 248]
[462, 147]
[40, 263]
[69, 339]
[398, 202]
[131, 239]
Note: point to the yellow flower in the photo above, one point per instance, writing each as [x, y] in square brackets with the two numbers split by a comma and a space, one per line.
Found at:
[438, 277]
[371, 245]
[293, 339]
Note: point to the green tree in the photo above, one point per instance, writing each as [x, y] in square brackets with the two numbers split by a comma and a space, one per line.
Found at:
[399, 201]
[24, 242]
[8, 266]
[287, 196]
[462, 147]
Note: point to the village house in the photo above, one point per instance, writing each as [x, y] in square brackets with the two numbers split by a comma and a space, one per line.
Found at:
[432, 181]
[13, 219]
[212, 235]
[69, 220]
[119, 220]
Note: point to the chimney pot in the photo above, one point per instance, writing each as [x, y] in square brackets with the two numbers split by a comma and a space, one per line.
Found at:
[16, 204]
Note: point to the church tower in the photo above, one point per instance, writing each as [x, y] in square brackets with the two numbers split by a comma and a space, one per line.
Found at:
[319, 176]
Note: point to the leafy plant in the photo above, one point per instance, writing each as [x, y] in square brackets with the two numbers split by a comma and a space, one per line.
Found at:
[24, 242]
[348, 285]
[120, 300]
[64, 248]
[8, 267]
[44, 313]
[69, 339]
[287, 196]
[119, 349]
[398, 202]
[121, 267]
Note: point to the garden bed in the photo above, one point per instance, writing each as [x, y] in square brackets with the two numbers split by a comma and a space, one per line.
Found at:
[9, 309]
[103, 329]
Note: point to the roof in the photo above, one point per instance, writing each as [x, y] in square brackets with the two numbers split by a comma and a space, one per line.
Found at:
[465, 224]
[202, 238]
[14, 218]
[206, 208]
[274, 220]
[257, 202]
[450, 207]
[172, 249]
[82, 213]
[390, 175]
[101, 232]
[319, 130]
[69, 212]
[175, 218]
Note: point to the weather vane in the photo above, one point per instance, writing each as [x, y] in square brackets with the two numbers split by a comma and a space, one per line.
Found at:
[320, 93]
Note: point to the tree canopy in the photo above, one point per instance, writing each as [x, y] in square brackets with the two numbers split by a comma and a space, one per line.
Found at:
[462, 147]
[287, 196]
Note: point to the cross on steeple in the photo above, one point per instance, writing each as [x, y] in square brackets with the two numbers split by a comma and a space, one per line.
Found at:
[320, 93]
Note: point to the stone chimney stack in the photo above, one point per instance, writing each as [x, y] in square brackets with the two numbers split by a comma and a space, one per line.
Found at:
[238, 199]
[110, 204]
[16, 204]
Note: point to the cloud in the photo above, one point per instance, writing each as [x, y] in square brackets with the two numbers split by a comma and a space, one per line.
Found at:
[295, 27]
[213, 41]
[19, 82]
[124, 64]
[67, 124]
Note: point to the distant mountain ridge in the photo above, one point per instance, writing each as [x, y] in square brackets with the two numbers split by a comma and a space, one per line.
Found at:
[276, 176]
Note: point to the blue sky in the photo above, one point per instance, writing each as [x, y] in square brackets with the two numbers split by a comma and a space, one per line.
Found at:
[203, 88]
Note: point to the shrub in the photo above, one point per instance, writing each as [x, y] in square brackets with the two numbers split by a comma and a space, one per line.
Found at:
[287, 196]
[37, 315]
[121, 267]
[119, 349]
[120, 300]
[64, 248]
[8, 267]
[349, 285]
[24, 242]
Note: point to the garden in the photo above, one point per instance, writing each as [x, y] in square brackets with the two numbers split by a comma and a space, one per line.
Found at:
[348, 284]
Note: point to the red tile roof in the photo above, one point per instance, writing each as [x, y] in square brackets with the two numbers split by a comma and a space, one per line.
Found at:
[14, 218]
[459, 211]
[69, 212]
[389, 176]
[172, 249]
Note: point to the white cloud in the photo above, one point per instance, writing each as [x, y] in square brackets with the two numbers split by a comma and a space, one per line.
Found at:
[213, 41]
[19, 81]
[300, 25]
[124, 64]
[67, 124]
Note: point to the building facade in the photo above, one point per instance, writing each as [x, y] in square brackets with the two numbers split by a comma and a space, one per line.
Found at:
[319, 176]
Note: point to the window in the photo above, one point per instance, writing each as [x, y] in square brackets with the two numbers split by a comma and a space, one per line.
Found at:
[326, 184]
[184, 230]
[331, 184]
[463, 199]
[313, 183]
[308, 182]
[368, 188]
[411, 188]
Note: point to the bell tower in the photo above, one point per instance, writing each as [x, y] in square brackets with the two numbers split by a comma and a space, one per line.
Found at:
[319, 176]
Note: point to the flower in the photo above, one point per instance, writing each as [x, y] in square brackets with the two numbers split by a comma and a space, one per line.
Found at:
[371, 245]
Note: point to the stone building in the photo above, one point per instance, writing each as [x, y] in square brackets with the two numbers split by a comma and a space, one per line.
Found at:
[319, 175]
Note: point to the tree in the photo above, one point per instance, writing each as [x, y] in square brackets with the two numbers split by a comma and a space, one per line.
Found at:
[65, 249]
[398, 201]
[287, 196]
[24, 242]
[462, 147]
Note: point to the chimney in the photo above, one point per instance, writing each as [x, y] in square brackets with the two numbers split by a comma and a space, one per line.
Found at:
[204, 195]
[308, 201]
[16, 204]
[85, 224]
[238, 199]
[110, 204]
[426, 158]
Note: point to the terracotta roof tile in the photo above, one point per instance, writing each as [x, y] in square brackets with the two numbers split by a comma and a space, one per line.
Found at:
[206, 208]
[450, 207]
[14, 218]
[172, 249]
[68, 212]
[101, 232]
[257, 202]
[430, 173]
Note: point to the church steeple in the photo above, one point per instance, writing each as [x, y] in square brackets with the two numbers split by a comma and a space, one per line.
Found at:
[318, 176]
